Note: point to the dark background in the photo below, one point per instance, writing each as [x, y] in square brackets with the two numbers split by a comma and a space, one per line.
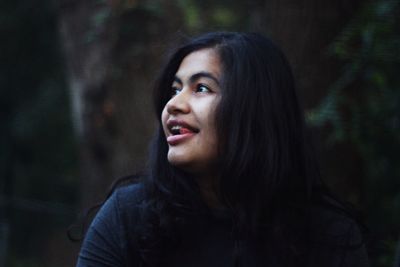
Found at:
[75, 84]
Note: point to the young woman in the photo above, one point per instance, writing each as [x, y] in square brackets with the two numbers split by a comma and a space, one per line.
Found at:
[232, 179]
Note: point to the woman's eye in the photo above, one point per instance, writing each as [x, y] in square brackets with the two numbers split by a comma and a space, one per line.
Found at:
[175, 91]
[201, 88]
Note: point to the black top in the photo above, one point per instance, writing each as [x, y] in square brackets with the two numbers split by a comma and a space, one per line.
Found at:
[207, 241]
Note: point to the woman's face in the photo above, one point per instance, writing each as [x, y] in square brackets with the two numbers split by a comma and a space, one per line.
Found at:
[188, 117]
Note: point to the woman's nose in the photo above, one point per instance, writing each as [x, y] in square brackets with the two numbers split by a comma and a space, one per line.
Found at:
[179, 103]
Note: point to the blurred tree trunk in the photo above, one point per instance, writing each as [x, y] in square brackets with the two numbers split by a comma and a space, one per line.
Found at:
[112, 49]
[305, 29]
[88, 45]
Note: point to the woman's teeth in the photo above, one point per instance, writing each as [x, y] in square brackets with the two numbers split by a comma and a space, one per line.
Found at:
[177, 129]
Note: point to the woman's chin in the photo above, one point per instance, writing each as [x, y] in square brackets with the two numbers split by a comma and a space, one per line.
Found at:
[184, 163]
[178, 160]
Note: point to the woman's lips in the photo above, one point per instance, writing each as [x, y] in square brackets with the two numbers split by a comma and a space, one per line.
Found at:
[184, 134]
[171, 123]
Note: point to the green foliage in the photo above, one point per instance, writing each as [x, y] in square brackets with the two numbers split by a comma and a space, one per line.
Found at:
[213, 15]
[192, 13]
[363, 107]
[224, 16]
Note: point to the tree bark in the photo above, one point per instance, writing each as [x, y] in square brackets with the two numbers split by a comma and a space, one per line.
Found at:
[112, 50]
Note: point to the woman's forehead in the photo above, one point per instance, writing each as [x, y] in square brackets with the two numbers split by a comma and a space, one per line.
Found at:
[204, 60]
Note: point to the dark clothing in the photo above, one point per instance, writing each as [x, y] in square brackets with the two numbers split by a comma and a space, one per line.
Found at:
[206, 242]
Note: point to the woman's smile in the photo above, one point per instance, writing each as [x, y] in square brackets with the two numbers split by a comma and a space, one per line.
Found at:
[179, 131]
[188, 117]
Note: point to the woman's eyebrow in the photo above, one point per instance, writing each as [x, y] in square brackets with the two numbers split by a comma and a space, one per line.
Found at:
[177, 80]
[203, 74]
[196, 76]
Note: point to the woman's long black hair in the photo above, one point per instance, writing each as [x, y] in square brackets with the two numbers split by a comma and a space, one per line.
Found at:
[266, 177]
[269, 177]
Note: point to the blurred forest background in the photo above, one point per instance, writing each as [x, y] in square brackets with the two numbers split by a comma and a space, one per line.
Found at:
[75, 84]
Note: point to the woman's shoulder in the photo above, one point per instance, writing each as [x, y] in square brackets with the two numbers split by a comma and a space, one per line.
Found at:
[335, 219]
[122, 201]
[130, 193]
[336, 223]
[107, 240]
[338, 238]
[128, 199]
